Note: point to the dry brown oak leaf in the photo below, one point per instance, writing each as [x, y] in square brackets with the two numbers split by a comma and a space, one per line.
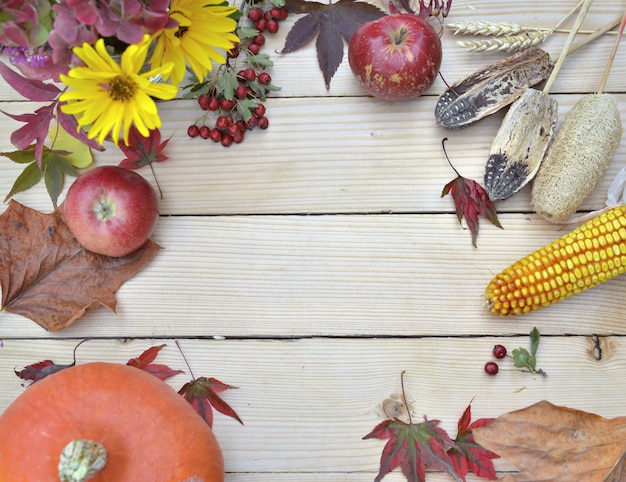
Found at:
[558, 444]
[47, 276]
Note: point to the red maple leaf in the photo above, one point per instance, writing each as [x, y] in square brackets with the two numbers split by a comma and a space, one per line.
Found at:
[470, 201]
[467, 454]
[202, 393]
[413, 447]
[142, 150]
[144, 362]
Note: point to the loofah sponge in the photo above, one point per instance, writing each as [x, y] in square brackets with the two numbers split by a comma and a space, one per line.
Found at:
[577, 158]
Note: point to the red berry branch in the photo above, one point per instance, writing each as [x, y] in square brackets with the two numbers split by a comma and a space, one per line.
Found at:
[233, 99]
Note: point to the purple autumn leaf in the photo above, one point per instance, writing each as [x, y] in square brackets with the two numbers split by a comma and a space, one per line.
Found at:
[36, 129]
[34, 90]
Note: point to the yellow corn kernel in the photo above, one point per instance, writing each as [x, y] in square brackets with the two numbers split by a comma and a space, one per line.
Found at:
[589, 255]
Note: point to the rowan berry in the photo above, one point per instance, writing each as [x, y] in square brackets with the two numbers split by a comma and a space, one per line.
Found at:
[193, 130]
[264, 78]
[491, 368]
[499, 351]
[255, 14]
[227, 140]
[272, 25]
[204, 132]
[254, 48]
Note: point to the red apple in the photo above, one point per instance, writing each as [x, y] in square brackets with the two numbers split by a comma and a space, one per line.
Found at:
[111, 210]
[396, 57]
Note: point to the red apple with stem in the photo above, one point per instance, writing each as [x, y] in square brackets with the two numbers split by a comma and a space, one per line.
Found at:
[111, 210]
[395, 58]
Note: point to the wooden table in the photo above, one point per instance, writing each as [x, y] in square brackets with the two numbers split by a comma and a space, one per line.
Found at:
[313, 263]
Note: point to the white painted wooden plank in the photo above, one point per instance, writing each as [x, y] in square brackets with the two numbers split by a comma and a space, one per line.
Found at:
[333, 275]
[306, 404]
[326, 156]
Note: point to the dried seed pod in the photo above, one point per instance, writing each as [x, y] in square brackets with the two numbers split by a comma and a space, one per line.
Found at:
[578, 157]
[491, 88]
[520, 144]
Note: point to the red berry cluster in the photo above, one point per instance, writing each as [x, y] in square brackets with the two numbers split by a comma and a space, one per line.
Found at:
[230, 127]
[236, 99]
[267, 20]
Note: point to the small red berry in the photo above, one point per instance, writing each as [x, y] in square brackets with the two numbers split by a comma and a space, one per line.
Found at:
[241, 91]
[261, 25]
[254, 48]
[227, 104]
[222, 123]
[284, 13]
[204, 132]
[255, 14]
[215, 135]
[203, 101]
[259, 110]
[491, 368]
[259, 40]
[275, 12]
[233, 53]
[249, 74]
[227, 140]
[238, 138]
[263, 122]
[272, 25]
[499, 351]
[267, 15]
[193, 130]
[264, 78]
[233, 129]
[214, 103]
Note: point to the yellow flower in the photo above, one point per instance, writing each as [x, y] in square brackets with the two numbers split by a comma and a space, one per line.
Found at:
[109, 98]
[203, 26]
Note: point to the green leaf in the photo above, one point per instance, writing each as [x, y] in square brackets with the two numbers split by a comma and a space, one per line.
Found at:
[534, 341]
[30, 176]
[259, 61]
[227, 83]
[76, 153]
[246, 32]
[520, 357]
[53, 176]
[23, 156]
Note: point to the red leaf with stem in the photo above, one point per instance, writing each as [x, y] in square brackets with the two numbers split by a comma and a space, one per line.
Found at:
[202, 393]
[143, 151]
[470, 201]
[468, 455]
[413, 447]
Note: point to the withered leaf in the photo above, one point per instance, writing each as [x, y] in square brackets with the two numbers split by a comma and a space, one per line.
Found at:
[558, 444]
[48, 277]
[331, 23]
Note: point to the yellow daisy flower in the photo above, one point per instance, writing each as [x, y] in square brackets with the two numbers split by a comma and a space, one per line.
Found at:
[109, 98]
[203, 26]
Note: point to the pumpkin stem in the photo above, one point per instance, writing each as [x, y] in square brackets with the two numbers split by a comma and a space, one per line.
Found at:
[81, 460]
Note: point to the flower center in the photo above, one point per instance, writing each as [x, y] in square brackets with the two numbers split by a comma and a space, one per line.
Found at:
[122, 88]
[181, 32]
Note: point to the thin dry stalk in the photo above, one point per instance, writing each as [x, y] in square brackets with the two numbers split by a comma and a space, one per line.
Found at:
[570, 40]
[609, 64]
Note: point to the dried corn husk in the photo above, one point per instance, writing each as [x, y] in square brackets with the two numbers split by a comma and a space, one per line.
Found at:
[578, 157]
[520, 144]
[491, 88]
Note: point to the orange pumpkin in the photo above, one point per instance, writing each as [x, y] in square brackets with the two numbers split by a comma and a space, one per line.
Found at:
[149, 432]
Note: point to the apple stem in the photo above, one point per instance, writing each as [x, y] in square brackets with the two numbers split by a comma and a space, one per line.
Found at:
[401, 36]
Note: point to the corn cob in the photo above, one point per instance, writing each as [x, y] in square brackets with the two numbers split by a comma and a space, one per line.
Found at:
[589, 255]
